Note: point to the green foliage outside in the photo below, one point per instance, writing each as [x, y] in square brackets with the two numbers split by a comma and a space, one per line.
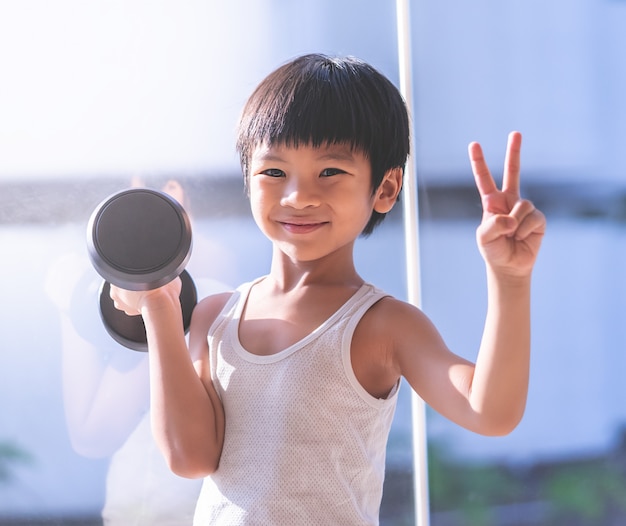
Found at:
[587, 492]
[10, 455]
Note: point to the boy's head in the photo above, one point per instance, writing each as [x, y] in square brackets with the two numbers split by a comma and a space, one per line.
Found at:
[316, 100]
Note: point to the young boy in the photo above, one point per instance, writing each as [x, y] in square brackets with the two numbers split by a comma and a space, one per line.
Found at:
[284, 399]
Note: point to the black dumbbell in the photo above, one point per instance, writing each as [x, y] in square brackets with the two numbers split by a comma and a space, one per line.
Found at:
[139, 239]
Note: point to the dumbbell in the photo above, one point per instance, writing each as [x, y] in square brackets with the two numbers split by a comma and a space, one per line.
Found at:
[139, 239]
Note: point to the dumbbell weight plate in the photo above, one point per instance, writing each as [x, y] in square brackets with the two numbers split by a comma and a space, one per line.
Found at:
[139, 239]
[130, 331]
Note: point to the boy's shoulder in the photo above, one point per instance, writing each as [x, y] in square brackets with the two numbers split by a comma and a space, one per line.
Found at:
[208, 309]
[217, 300]
[216, 296]
[391, 313]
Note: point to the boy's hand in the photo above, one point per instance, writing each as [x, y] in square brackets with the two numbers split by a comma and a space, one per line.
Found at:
[132, 302]
[511, 229]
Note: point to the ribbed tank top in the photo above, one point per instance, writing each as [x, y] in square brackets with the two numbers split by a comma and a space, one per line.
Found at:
[304, 442]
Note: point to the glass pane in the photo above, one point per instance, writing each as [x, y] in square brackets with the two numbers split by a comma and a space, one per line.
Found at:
[96, 98]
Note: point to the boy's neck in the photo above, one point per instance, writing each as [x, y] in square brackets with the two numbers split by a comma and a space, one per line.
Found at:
[334, 270]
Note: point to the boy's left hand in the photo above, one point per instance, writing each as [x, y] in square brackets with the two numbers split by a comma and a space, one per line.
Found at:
[511, 230]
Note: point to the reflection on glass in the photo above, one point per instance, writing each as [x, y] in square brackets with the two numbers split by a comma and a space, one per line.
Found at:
[106, 397]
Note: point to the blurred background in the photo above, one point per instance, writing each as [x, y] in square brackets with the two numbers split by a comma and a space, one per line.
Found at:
[99, 96]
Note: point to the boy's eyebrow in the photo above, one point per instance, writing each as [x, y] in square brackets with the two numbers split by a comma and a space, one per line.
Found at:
[267, 156]
[337, 155]
[331, 154]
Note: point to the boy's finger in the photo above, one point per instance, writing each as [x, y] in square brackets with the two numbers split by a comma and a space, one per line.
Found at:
[510, 181]
[495, 227]
[521, 209]
[482, 176]
[533, 223]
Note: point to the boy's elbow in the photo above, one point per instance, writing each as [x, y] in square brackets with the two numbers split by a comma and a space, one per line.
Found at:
[500, 429]
[501, 425]
[192, 468]
[190, 460]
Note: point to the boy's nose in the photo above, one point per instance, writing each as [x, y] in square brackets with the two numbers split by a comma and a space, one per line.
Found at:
[300, 194]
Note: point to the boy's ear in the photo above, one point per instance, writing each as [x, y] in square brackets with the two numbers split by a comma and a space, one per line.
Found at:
[387, 193]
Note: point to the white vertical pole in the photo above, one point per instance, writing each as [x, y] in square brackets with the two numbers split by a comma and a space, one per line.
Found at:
[411, 233]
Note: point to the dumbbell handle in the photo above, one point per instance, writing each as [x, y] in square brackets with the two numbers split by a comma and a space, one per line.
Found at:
[130, 331]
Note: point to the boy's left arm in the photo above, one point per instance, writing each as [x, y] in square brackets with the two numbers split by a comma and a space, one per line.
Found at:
[508, 238]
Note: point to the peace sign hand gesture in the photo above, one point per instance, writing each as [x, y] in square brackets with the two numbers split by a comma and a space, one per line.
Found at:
[511, 230]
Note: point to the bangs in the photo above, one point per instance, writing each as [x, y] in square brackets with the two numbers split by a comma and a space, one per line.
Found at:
[312, 113]
[317, 101]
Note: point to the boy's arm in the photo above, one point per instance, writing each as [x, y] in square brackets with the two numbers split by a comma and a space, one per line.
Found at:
[187, 416]
[490, 396]
[508, 238]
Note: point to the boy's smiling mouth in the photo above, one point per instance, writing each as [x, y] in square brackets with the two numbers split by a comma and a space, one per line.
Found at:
[301, 227]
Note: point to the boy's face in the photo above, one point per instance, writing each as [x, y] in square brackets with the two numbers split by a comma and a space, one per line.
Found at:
[310, 202]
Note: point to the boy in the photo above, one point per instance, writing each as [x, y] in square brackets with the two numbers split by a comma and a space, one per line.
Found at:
[284, 399]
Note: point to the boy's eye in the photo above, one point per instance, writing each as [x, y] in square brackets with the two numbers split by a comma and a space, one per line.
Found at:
[273, 172]
[328, 172]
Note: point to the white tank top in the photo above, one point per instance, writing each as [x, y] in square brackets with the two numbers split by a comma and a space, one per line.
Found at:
[304, 442]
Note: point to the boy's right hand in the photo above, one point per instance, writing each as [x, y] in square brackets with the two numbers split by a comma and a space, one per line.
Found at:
[512, 229]
[133, 302]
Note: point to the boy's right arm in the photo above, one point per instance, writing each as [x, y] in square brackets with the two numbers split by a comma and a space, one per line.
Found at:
[187, 415]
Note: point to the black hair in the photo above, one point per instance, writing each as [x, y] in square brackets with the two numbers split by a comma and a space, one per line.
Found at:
[318, 100]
